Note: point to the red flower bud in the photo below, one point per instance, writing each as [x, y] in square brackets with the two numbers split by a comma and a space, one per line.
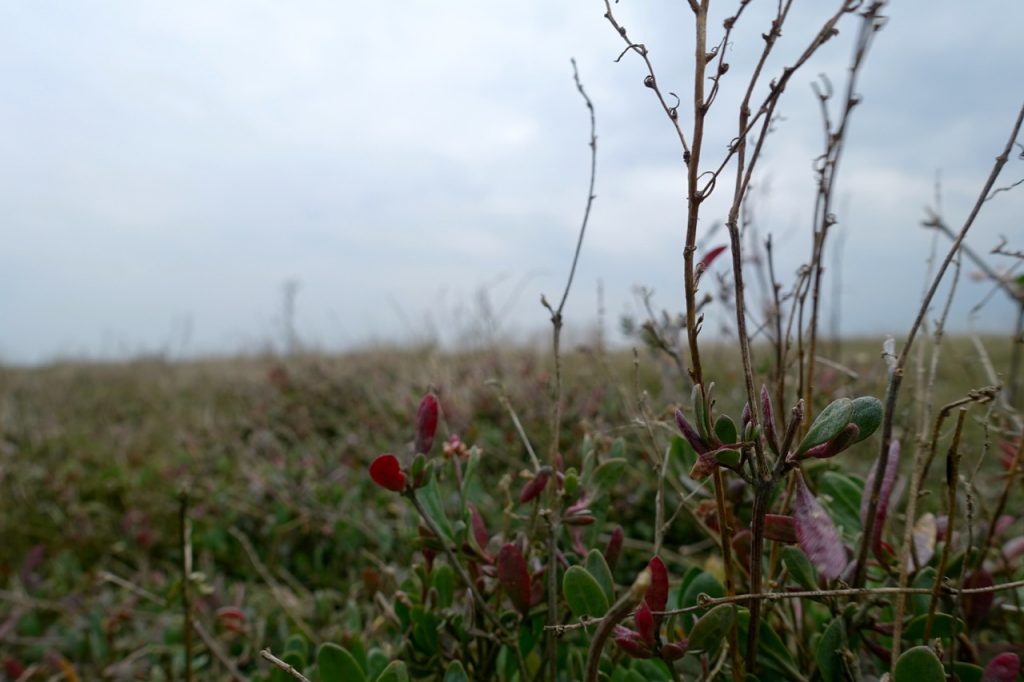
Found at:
[426, 423]
[614, 548]
[780, 528]
[535, 486]
[673, 650]
[645, 623]
[657, 593]
[387, 473]
[631, 642]
[1003, 668]
[514, 577]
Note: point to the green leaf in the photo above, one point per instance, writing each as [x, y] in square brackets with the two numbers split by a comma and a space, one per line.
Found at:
[443, 580]
[700, 411]
[919, 664]
[430, 497]
[584, 593]
[337, 664]
[725, 430]
[728, 457]
[709, 632]
[867, 415]
[376, 661]
[681, 454]
[395, 672]
[843, 504]
[800, 568]
[598, 567]
[703, 583]
[827, 426]
[943, 625]
[772, 652]
[968, 672]
[455, 673]
[609, 472]
[926, 580]
[297, 644]
[618, 449]
[828, 652]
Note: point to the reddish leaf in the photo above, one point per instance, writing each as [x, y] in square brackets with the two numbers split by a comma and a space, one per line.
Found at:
[1003, 668]
[674, 650]
[780, 528]
[514, 577]
[614, 548]
[13, 668]
[645, 623]
[631, 642]
[884, 493]
[978, 606]
[690, 433]
[426, 423]
[816, 534]
[844, 439]
[710, 257]
[387, 473]
[657, 593]
[479, 529]
[535, 486]
[579, 520]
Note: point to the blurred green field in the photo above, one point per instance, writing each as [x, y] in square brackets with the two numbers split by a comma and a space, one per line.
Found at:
[288, 534]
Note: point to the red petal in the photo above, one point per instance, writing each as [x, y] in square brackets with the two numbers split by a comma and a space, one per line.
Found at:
[674, 650]
[977, 606]
[479, 529]
[1003, 668]
[514, 577]
[387, 473]
[645, 624]
[426, 423]
[614, 548]
[710, 257]
[631, 643]
[657, 593]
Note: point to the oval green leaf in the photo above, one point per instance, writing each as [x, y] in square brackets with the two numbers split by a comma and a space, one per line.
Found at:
[455, 673]
[943, 625]
[704, 583]
[395, 672]
[725, 430]
[867, 415]
[919, 664]
[800, 568]
[609, 472]
[337, 664]
[583, 593]
[709, 632]
[597, 566]
[829, 652]
[827, 426]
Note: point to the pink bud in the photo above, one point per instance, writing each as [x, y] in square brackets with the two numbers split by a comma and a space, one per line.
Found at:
[535, 486]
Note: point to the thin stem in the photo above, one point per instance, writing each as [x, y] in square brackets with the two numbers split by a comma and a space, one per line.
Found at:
[622, 608]
[185, 528]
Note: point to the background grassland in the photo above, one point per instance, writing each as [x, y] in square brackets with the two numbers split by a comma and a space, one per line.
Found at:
[273, 452]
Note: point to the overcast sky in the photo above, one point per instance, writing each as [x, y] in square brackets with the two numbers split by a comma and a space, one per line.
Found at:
[167, 166]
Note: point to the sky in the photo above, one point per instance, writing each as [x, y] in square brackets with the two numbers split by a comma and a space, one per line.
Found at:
[419, 169]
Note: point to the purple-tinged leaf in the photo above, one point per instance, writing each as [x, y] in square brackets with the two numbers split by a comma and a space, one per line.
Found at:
[514, 577]
[843, 440]
[827, 425]
[657, 593]
[426, 423]
[705, 466]
[614, 547]
[884, 493]
[1003, 668]
[690, 433]
[768, 417]
[977, 606]
[816, 534]
[745, 417]
[645, 623]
